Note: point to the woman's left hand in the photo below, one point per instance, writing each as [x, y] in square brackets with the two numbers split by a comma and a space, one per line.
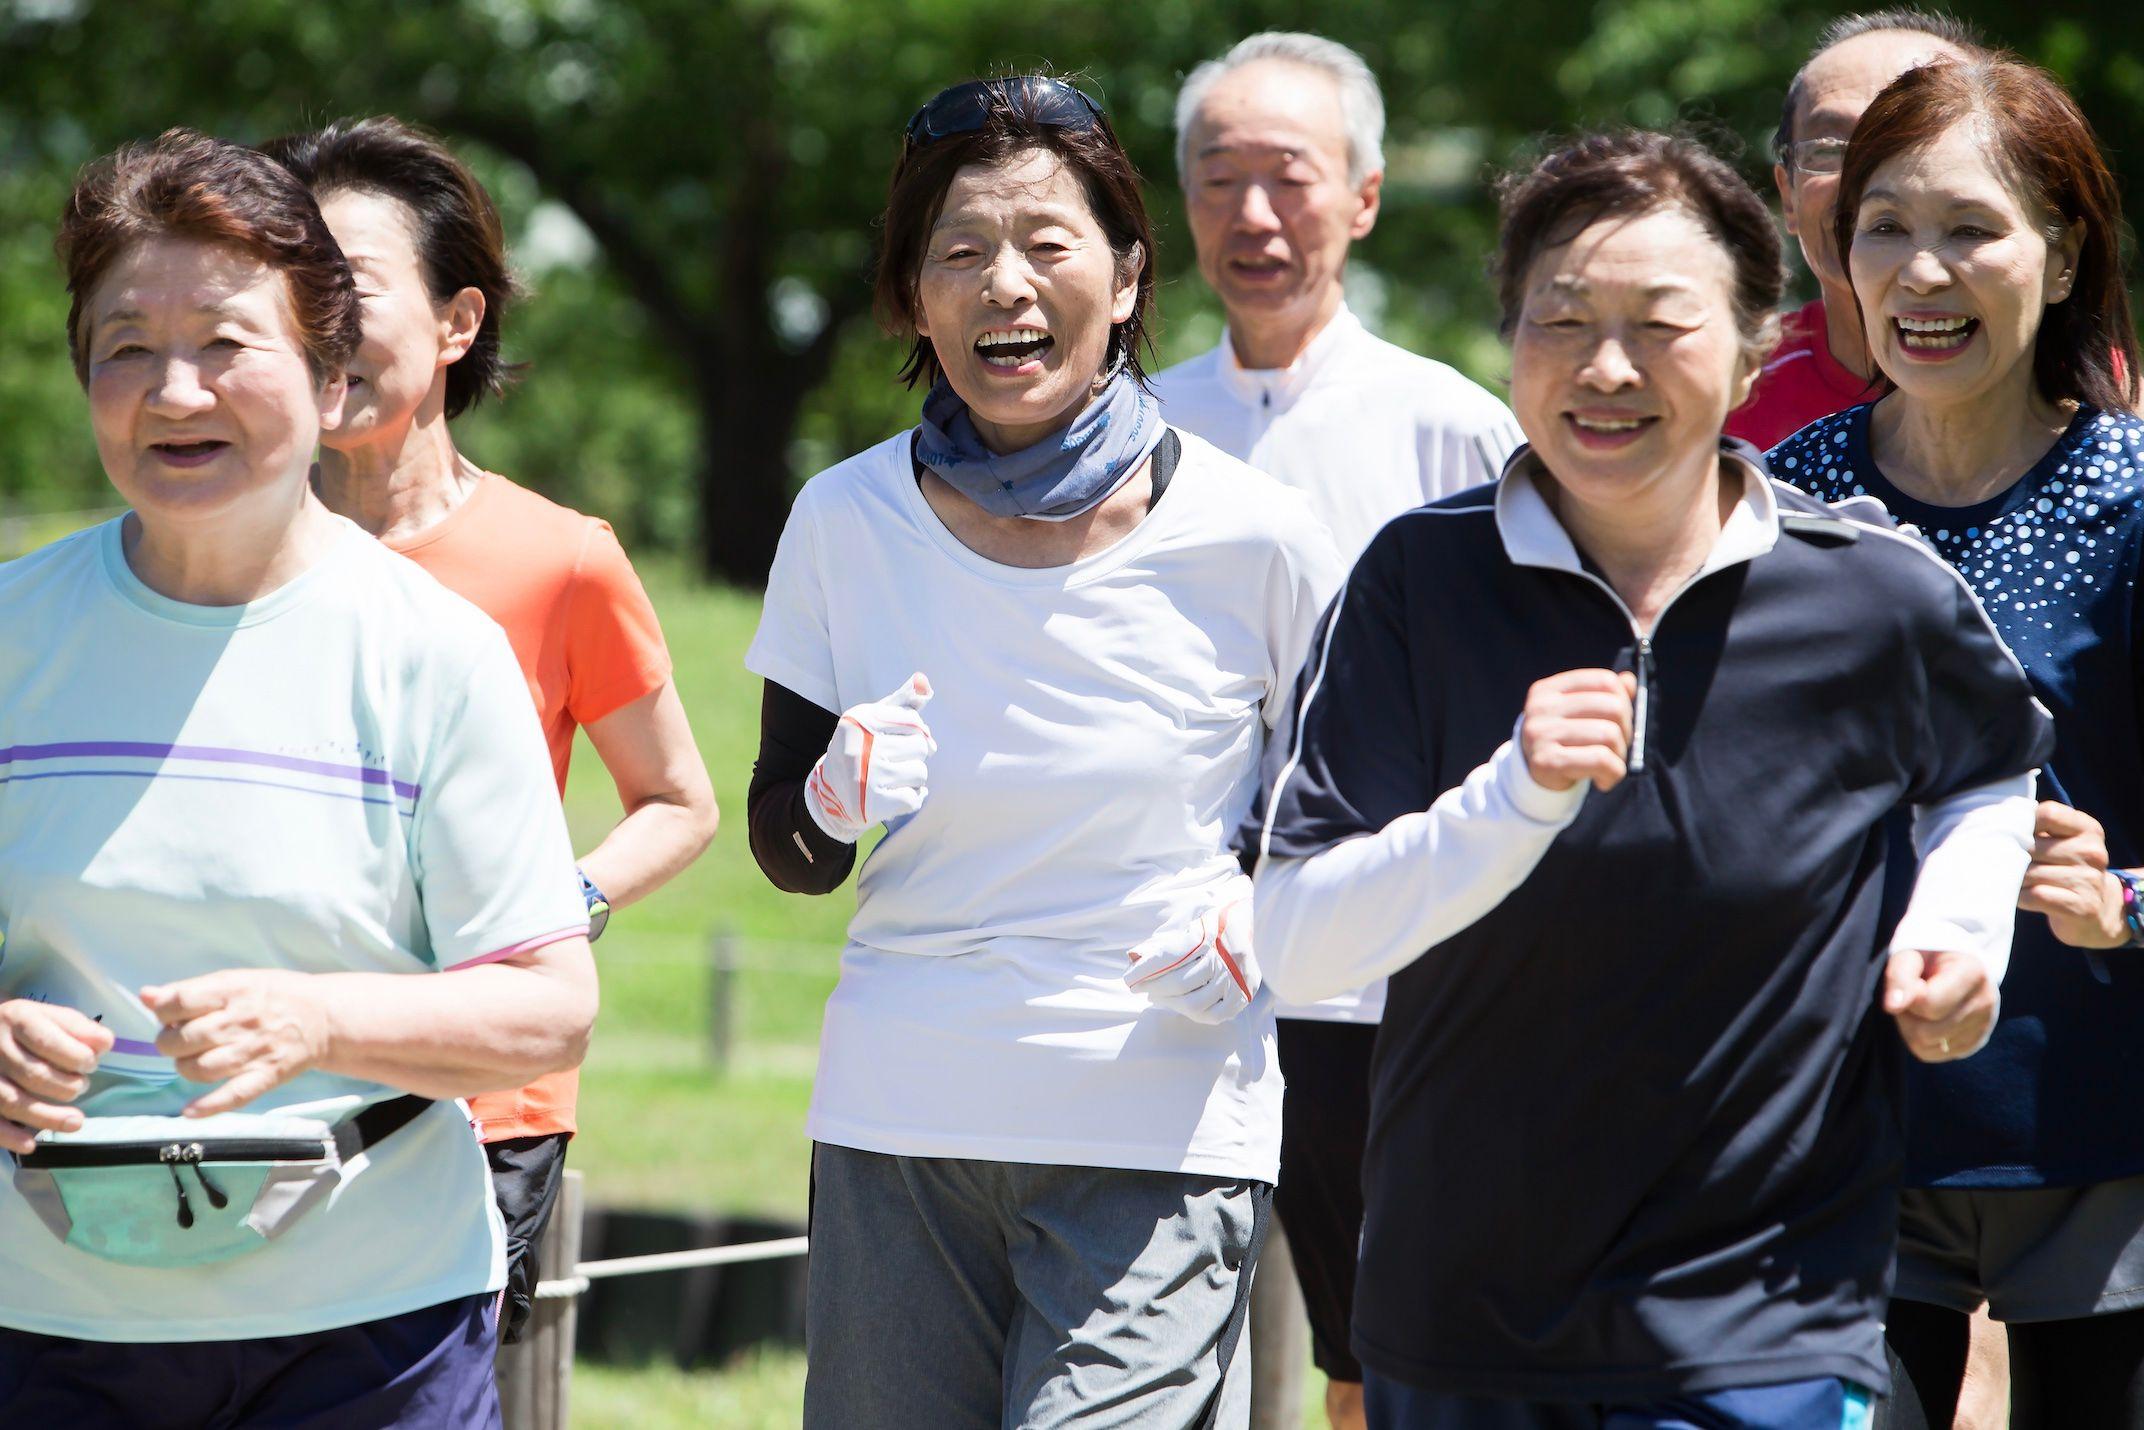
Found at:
[2068, 880]
[250, 1029]
[1203, 969]
[1944, 1003]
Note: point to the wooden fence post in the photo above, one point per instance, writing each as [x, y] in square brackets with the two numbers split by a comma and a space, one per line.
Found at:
[721, 996]
[536, 1375]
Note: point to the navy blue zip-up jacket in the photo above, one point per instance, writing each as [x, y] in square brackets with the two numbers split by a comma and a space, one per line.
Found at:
[1634, 1132]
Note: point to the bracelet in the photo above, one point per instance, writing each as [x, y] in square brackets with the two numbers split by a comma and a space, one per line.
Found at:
[2132, 905]
[598, 906]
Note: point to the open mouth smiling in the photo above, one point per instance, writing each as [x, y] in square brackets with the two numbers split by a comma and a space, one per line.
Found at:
[1013, 347]
[188, 454]
[1935, 334]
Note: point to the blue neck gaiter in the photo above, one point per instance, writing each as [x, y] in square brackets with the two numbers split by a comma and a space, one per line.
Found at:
[1063, 475]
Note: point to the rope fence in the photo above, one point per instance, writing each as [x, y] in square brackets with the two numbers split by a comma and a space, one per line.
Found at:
[536, 1375]
[589, 1271]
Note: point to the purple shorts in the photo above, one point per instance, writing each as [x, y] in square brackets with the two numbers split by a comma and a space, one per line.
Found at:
[429, 1368]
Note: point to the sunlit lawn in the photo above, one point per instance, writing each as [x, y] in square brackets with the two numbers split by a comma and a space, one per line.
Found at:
[660, 1125]
[761, 1392]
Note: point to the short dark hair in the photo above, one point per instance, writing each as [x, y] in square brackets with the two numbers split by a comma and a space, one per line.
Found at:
[2086, 349]
[187, 185]
[1628, 172]
[922, 176]
[460, 241]
[1936, 24]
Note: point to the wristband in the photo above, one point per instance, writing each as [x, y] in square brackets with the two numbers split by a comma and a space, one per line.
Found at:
[598, 907]
[2132, 905]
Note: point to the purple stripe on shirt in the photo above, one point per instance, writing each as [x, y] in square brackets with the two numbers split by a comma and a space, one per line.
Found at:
[135, 1049]
[380, 800]
[138, 749]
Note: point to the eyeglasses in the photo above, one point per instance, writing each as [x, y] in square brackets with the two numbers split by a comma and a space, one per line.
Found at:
[1816, 156]
[965, 108]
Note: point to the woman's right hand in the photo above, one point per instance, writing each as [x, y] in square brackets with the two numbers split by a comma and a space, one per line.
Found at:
[1577, 727]
[875, 767]
[46, 1056]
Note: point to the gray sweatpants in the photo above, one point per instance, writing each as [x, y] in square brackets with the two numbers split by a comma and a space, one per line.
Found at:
[963, 1295]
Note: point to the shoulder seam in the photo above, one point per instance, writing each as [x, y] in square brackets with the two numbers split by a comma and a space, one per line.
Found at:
[1442, 511]
[1924, 550]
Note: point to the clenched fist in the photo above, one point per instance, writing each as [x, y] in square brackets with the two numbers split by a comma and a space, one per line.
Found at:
[1577, 727]
[876, 766]
[1944, 1003]
[2068, 880]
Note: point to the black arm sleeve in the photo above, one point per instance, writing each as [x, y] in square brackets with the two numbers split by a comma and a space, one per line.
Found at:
[795, 854]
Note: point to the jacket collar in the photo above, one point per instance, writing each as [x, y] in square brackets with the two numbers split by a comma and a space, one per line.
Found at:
[1533, 537]
[1280, 387]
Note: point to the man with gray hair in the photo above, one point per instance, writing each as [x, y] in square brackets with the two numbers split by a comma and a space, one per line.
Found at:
[1822, 366]
[1280, 149]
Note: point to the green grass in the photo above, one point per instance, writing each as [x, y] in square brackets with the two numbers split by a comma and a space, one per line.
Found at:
[661, 1126]
[761, 1392]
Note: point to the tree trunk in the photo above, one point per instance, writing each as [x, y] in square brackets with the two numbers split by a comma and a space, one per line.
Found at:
[747, 419]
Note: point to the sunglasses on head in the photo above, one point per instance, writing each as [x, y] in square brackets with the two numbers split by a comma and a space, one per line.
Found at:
[965, 108]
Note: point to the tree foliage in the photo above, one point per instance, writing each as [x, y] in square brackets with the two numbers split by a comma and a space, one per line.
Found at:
[728, 158]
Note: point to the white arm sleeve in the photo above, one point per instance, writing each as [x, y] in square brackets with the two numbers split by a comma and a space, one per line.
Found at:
[1974, 848]
[1369, 906]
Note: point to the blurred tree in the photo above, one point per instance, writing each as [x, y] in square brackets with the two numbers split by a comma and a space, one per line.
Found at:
[728, 158]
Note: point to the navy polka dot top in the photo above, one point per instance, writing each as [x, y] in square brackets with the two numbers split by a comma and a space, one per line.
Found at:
[2053, 1099]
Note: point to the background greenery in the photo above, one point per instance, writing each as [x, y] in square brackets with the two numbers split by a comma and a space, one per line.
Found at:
[690, 187]
[691, 183]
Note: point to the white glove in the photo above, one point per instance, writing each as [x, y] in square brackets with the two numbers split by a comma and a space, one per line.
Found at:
[1204, 969]
[874, 767]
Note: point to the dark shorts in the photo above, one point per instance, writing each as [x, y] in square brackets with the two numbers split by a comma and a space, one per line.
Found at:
[2031, 1253]
[526, 1173]
[1325, 1119]
[429, 1369]
[1826, 1404]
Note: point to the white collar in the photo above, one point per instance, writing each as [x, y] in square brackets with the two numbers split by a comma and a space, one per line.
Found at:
[1282, 385]
[1533, 537]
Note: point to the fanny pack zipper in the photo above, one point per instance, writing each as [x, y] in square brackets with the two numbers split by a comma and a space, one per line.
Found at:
[174, 1155]
[135, 1154]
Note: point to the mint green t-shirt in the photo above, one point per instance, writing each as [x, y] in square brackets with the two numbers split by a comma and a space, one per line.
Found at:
[345, 775]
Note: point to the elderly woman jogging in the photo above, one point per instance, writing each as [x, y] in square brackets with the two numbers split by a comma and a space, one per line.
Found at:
[424, 242]
[1040, 638]
[282, 872]
[1983, 230]
[1617, 836]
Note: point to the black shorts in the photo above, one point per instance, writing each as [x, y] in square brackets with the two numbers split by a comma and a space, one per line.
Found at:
[1325, 1120]
[526, 1173]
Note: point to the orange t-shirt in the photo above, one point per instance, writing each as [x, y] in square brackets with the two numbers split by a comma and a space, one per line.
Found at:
[588, 643]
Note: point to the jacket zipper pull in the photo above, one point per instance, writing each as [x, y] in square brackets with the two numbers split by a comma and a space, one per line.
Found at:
[170, 1158]
[216, 1197]
[1640, 706]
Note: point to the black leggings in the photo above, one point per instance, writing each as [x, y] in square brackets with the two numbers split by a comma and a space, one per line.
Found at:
[2085, 1374]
